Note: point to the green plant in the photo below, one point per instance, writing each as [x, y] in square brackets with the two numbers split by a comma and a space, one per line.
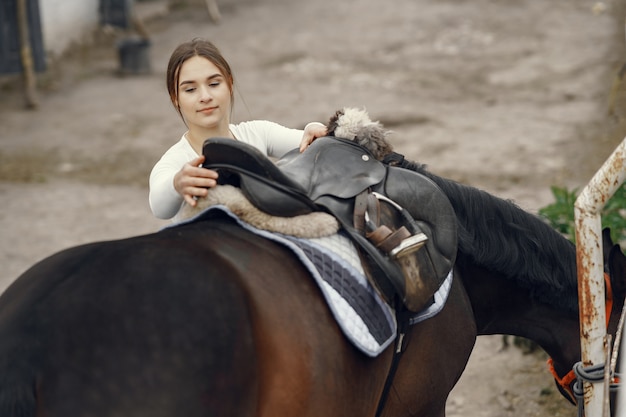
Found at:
[560, 214]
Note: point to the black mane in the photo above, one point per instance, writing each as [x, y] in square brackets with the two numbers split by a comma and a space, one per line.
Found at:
[498, 235]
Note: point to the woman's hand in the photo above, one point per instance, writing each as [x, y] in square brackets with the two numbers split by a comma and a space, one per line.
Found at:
[194, 181]
[312, 131]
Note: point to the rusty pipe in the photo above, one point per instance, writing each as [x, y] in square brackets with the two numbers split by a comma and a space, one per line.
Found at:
[589, 262]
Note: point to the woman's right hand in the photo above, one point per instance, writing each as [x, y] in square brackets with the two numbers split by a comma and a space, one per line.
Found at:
[194, 181]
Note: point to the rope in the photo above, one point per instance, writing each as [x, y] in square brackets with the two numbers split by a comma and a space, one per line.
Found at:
[596, 373]
[590, 374]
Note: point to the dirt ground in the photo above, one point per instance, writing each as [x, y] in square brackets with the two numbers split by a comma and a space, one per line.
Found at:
[509, 96]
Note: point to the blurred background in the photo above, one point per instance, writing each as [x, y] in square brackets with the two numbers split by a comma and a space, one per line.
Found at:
[513, 97]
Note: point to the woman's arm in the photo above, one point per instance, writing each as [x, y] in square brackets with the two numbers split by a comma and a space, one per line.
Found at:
[164, 200]
[274, 139]
[170, 186]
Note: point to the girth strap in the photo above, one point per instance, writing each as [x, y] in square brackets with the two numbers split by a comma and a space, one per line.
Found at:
[403, 317]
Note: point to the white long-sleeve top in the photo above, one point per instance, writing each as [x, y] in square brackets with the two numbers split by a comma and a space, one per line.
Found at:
[270, 138]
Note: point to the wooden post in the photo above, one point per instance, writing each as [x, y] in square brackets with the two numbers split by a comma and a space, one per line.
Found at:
[617, 85]
[214, 10]
[26, 56]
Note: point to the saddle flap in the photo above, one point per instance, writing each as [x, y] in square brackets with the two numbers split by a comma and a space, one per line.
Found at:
[433, 214]
[333, 166]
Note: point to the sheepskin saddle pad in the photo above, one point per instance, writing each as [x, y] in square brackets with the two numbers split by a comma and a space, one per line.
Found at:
[366, 320]
[327, 177]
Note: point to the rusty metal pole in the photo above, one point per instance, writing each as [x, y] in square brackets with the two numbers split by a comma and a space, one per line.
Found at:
[587, 211]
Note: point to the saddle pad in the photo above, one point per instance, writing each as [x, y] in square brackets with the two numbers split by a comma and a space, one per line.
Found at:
[364, 317]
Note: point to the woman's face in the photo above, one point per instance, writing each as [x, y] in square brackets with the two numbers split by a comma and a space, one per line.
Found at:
[204, 96]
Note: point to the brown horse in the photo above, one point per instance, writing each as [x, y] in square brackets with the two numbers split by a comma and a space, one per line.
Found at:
[205, 319]
[208, 319]
[520, 276]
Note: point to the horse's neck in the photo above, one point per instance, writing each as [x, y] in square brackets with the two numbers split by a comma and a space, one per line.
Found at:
[501, 306]
[519, 272]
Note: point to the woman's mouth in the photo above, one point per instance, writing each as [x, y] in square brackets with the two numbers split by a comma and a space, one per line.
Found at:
[207, 110]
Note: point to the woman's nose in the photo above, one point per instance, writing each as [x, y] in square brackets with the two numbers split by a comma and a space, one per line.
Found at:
[205, 94]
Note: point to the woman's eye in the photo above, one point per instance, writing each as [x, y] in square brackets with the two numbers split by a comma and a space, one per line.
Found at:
[214, 84]
[189, 90]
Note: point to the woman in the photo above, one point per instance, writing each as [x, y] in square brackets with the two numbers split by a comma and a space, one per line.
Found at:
[200, 85]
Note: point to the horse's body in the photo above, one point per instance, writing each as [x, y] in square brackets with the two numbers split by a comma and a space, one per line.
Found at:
[204, 320]
[208, 319]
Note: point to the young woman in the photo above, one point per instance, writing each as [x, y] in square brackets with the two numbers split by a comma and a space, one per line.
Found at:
[200, 84]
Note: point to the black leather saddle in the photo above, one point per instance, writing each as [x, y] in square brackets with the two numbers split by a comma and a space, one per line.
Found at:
[290, 186]
[328, 176]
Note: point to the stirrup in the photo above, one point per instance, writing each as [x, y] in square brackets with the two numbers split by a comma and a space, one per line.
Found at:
[409, 245]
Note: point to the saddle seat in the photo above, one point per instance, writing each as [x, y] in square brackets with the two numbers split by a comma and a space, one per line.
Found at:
[329, 176]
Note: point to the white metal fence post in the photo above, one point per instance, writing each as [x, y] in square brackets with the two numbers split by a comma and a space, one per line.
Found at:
[589, 261]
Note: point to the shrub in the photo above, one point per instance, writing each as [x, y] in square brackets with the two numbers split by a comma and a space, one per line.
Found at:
[560, 214]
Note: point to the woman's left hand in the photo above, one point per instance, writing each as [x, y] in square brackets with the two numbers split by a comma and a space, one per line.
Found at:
[312, 131]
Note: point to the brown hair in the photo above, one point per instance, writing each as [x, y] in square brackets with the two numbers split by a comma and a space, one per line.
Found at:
[184, 51]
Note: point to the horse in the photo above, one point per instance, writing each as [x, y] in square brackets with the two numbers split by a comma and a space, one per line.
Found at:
[205, 319]
[520, 276]
[208, 319]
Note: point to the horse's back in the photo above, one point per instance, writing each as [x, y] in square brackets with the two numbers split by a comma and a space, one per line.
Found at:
[150, 325]
[201, 320]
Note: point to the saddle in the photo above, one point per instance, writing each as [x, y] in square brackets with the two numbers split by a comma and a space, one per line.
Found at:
[342, 178]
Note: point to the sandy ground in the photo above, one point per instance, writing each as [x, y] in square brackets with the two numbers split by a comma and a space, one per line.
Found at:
[511, 97]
